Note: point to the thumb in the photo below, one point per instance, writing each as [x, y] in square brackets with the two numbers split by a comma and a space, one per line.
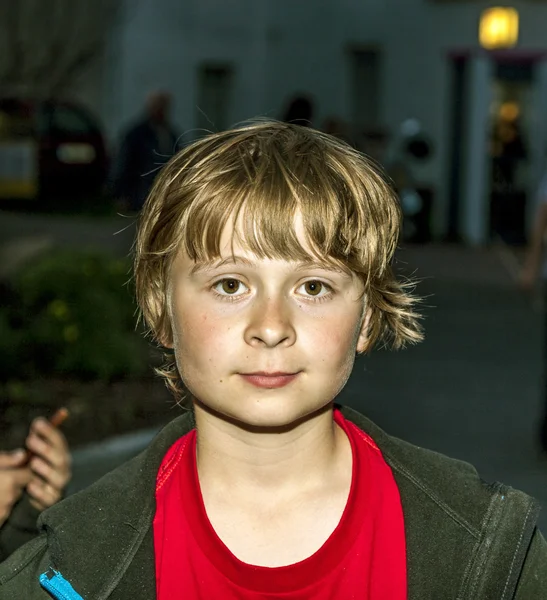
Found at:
[10, 460]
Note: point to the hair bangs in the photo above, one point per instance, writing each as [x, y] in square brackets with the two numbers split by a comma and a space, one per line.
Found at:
[272, 209]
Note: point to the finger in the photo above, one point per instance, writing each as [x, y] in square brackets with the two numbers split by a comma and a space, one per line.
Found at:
[56, 477]
[58, 447]
[42, 494]
[57, 456]
[20, 477]
[11, 460]
[12, 483]
[38, 446]
[51, 434]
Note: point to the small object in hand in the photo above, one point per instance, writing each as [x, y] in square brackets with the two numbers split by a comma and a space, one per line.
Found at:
[60, 416]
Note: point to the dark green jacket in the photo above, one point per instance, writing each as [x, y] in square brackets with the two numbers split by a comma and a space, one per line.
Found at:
[465, 539]
[20, 527]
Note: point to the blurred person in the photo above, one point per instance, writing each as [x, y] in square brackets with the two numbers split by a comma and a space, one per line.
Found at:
[508, 150]
[409, 143]
[375, 144]
[29, 487]
[264, 266]
[299, 111]
[145, 147]
[535, 269]
[337, 128]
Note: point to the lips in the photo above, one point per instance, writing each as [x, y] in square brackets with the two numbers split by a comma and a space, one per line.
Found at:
[267, 380]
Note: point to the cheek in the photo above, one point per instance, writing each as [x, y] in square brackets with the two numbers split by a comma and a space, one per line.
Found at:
[335, 340]
[196, 335]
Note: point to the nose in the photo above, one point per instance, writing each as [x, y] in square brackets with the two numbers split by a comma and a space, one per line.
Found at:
[270, 324]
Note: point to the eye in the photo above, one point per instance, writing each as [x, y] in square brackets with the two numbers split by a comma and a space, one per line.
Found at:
[315, 288]
[229, 287]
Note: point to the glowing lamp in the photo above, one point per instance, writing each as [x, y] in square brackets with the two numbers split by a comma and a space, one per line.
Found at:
[499, 28]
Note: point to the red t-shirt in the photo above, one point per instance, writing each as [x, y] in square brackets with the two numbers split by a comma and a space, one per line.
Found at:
[364, 558]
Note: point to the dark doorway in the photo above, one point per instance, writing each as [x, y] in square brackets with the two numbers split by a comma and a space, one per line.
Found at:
[509, 127]
[512, 91]
[457, 146]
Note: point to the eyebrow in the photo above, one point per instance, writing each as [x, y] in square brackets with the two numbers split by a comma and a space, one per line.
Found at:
[302, 266]
[209, 266]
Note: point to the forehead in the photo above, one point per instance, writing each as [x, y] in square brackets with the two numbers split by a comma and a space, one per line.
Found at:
[234, 237]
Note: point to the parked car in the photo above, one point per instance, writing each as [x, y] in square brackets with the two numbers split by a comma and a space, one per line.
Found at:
[49, 147]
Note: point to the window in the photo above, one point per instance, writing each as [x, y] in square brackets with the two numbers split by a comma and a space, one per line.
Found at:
[71, 120]
[214, 97]
[15, 118]
[365, 88]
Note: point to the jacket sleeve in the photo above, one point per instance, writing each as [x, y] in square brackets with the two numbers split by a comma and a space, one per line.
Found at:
[532, 584]
[19, 528]
[20, 573]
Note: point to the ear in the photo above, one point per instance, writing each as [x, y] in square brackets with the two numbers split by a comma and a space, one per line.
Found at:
[362, 341]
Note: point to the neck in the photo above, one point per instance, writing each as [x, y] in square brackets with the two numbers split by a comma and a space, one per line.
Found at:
[259, 461]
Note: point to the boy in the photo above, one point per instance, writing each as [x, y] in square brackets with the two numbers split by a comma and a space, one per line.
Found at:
[263, 261]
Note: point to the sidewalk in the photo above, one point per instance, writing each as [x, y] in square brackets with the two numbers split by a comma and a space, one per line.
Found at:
[91, 462]
[112, 234]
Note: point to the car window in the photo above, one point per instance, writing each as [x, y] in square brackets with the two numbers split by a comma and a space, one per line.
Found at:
[43, 119]
[15, 119]
[71, 120]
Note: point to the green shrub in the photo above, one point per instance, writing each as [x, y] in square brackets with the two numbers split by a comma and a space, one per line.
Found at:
[72, 313]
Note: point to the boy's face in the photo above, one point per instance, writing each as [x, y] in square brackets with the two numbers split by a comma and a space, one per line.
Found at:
[264, 342]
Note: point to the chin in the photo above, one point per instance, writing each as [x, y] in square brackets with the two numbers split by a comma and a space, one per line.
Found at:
[268, 414]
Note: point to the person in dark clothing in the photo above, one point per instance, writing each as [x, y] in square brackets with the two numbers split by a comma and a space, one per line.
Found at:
[29, 487]
[299, 111]
[534, 270]
[145, 147]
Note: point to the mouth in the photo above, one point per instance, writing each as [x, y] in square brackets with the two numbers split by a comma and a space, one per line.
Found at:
[269, 380]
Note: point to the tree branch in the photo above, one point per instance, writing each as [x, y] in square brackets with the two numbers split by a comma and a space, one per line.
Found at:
[49, 43]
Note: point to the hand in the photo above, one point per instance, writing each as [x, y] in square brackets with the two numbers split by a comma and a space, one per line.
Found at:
[14, 476]
[50, 465]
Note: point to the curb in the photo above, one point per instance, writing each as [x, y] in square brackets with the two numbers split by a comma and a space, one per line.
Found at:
[127, 443]
[15, 253]
[93, 461]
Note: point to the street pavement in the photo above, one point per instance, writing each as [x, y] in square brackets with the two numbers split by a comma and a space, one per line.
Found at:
[471, 390]
[114, 234]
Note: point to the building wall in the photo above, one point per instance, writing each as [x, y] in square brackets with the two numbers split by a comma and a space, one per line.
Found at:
[418, 73]
[278, 48]
[281, 47]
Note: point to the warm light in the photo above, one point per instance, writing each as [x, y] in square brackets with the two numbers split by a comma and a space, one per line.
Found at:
[509, 111]
[499, 28]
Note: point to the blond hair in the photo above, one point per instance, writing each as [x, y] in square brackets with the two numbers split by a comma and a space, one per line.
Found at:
[265, 172]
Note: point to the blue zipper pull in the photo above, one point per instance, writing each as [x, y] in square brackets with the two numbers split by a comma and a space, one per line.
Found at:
[58, 586]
